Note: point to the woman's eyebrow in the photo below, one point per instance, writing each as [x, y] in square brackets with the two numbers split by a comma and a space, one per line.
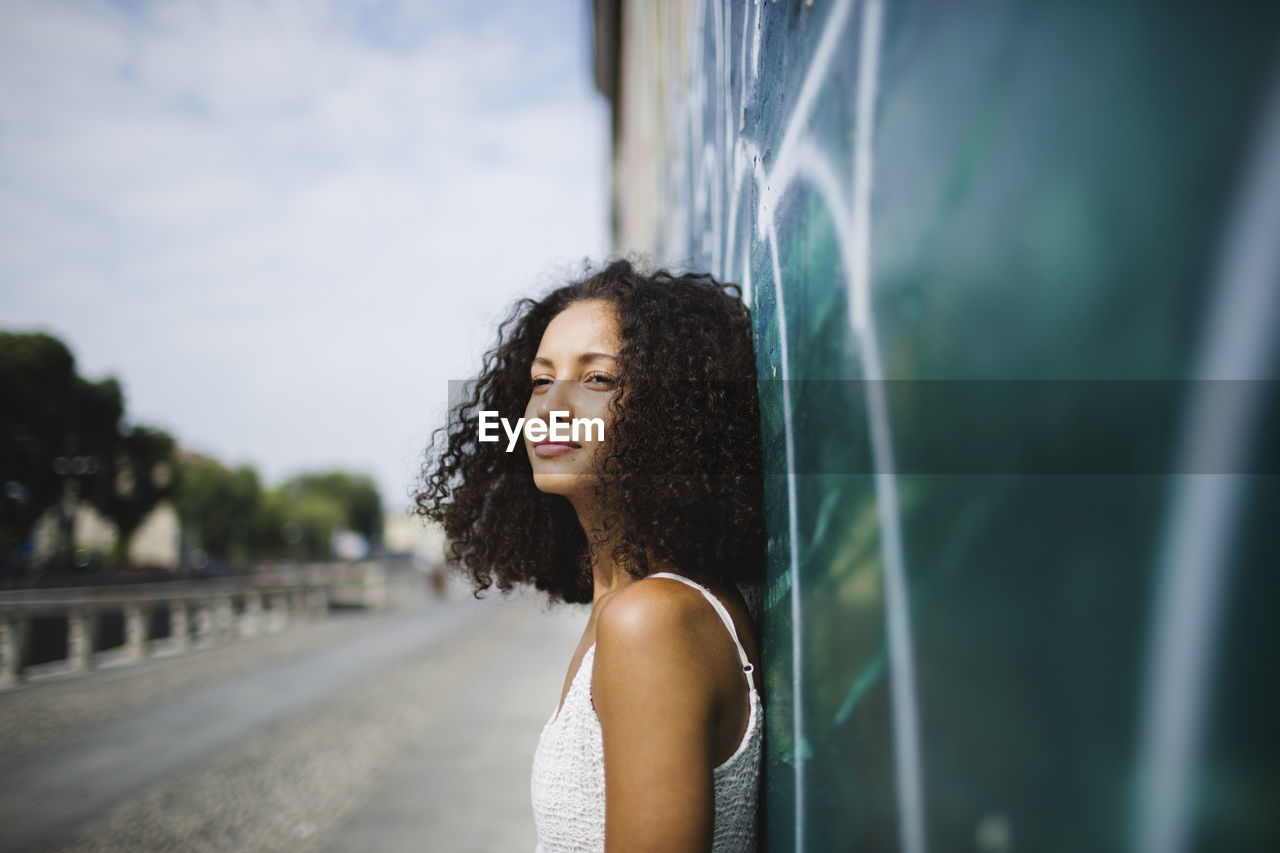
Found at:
[582, 359]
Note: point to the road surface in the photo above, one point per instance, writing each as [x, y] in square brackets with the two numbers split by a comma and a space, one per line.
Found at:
[408, 730]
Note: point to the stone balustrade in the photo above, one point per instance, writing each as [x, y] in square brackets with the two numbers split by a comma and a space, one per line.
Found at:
[200, 612]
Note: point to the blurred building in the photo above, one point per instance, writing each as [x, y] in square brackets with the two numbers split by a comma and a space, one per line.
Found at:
[155, 543]
[410, 534]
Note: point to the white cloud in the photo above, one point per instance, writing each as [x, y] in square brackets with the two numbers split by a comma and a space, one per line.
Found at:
[286, 226]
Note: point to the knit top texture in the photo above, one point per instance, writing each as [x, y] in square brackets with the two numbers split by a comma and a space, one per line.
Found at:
[568, 766]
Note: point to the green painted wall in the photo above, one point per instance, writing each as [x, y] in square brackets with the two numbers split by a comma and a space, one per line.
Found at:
[1023, 575]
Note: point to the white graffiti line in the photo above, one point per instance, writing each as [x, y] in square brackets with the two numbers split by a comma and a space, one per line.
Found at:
[793, 545]
[906, 723]
[723, 63]
[741, 167]
[1240, 338]
[755, 46]
[813, 167]
[709, 158]
[863, 163]
[785, 164]
[902, 680]
[720, 63]
[695, 111]
[740, 171]
[800, 161]
[746, 161]
[746, 157]
[739, 116]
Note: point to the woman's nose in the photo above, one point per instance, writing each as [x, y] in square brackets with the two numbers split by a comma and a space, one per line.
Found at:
[554, 399]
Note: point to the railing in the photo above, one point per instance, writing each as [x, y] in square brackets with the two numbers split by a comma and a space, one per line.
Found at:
[200, 612]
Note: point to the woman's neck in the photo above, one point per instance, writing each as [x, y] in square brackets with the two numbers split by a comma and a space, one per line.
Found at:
[606, 579]
[607, 575]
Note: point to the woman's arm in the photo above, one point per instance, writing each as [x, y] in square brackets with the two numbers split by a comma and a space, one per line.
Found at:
[654, 694]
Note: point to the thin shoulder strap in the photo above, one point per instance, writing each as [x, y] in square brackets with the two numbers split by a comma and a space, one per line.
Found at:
[747, 666]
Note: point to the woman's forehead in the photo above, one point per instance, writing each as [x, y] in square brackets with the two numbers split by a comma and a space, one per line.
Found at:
[587, 326]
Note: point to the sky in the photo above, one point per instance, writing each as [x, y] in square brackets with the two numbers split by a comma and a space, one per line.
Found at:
[284, 226]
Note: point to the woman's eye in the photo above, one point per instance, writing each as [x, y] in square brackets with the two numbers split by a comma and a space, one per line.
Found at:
[600, 379]
[540, 381]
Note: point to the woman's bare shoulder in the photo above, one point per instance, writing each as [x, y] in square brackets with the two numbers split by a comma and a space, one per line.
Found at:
[658, 619]
[650, 651]
[656, 609]
[646, 611]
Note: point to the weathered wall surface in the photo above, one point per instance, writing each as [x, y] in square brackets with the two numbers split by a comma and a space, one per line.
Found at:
[1033, 614]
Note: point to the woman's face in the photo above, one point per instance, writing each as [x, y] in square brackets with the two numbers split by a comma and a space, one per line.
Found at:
[575, 371]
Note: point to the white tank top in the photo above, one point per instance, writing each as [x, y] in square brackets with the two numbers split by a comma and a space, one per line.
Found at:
[568, 766]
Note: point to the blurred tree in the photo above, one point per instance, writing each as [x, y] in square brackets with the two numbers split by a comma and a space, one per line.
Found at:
[57, 433]
[269, 526]
[355, 494]
[229, 516]
[61, 438]
[313, 518]
[140, 474]
[36, 373]
[217, 506]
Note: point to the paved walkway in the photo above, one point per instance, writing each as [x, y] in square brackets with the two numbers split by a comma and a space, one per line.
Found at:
[463, 786]
[411, 730]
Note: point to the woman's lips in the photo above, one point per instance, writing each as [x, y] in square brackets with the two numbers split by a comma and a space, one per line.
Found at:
[554, 448]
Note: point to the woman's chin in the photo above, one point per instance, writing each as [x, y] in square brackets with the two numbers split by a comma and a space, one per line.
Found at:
[560, 484]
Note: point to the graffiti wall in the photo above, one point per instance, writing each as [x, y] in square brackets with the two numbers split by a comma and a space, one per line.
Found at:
[1016, 287]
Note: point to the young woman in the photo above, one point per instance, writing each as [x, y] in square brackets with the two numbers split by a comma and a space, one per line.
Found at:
[655, 520]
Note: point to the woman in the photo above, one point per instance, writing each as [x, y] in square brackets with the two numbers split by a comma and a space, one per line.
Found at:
[656, 742]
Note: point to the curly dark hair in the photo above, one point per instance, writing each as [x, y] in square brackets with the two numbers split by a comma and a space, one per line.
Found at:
[681, 469]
